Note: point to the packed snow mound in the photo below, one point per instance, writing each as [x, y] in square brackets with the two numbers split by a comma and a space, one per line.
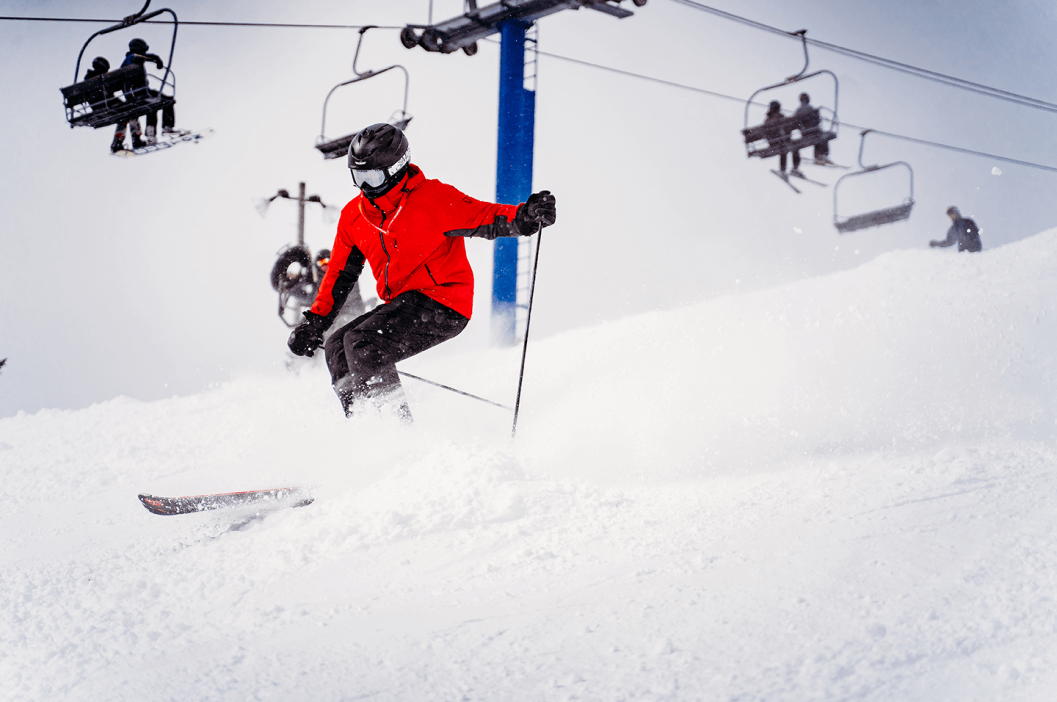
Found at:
[912, 349]
[445, 561]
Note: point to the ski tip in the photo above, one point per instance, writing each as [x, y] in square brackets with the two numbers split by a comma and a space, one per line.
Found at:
[155, 505]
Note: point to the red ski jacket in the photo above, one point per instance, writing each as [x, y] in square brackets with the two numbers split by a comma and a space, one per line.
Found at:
[412, 237]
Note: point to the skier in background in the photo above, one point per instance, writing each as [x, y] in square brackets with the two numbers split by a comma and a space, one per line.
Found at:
[412, 232]
[963, 232]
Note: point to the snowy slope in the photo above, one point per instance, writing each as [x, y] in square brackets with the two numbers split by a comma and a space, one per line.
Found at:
[837, 489]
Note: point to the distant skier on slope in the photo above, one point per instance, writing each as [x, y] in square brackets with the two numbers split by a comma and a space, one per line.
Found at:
[963, 232]
[411, 230]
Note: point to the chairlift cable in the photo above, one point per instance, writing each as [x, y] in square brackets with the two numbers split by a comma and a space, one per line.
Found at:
[205, 24]
[713, 93]
[925, 73]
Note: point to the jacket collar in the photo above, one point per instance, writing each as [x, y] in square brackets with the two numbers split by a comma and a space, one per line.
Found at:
[393, 199]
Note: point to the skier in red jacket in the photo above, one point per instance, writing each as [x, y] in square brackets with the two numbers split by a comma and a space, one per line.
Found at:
[411, 230]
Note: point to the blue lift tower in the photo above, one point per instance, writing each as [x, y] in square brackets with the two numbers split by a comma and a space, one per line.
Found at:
[511, 19]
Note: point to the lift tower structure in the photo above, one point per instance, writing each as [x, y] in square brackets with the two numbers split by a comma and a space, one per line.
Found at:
[511, 19]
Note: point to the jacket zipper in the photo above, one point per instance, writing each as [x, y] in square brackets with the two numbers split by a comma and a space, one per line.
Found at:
[381, 239]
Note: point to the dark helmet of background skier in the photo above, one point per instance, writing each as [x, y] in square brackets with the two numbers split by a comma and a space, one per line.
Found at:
[138, 46]
[378, 158]
[952, 211]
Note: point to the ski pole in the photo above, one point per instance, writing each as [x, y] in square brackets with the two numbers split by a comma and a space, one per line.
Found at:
[460, 392]
[528, 321]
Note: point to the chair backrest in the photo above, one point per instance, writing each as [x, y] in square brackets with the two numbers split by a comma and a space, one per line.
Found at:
[130, 80]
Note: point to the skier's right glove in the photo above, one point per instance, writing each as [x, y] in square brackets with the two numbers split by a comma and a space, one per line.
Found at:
[539, 209]
[308, 336]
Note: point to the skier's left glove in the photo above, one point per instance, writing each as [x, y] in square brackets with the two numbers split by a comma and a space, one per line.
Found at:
[539, 209]
[308, 336]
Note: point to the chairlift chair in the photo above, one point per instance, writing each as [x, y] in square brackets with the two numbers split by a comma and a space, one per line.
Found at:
[812, 128]
[338, 148]
[93, 103]
[888, 215]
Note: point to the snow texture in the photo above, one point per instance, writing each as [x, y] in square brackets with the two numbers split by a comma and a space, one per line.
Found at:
[839, 489]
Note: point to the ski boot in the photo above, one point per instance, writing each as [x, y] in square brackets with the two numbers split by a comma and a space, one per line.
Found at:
[148, 135]
[118, 144]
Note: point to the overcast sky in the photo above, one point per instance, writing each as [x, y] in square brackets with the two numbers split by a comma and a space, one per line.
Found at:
[148, 277]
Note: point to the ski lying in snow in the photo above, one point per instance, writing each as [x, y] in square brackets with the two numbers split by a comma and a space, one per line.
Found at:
[279, 497]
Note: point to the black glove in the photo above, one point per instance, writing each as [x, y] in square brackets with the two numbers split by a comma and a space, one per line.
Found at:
[934, 243]
[308, 336]
[539, 209]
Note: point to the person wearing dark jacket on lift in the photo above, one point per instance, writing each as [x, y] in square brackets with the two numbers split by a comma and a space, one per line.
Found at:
[137, 56]
[963, 232]
[412, 231]
[778, 136]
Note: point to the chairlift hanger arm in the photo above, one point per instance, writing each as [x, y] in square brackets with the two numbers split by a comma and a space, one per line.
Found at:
[129, 21]
[360, 77]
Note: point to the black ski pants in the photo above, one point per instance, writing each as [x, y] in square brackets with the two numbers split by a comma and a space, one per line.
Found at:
[362, 355]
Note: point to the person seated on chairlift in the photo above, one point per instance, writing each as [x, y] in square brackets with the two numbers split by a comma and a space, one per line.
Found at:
[774, 114]
[963, 231]
[822, 147]
[137, 56]
[100, 67]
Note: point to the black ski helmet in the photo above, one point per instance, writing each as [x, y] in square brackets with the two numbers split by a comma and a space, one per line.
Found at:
[100, 64]
[138, 46]
[378, 158]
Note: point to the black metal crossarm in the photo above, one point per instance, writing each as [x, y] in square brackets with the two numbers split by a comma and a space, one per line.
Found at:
[463, 32]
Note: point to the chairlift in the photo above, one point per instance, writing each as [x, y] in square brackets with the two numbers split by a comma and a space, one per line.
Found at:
[338, 148]
[794, 131]
[94, 103]
[876, 218]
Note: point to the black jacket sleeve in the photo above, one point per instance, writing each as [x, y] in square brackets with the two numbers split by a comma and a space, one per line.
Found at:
[500, 227]
[346, 280]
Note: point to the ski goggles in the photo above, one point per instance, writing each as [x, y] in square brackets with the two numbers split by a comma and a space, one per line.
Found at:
[376, 177]
[372, 178]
